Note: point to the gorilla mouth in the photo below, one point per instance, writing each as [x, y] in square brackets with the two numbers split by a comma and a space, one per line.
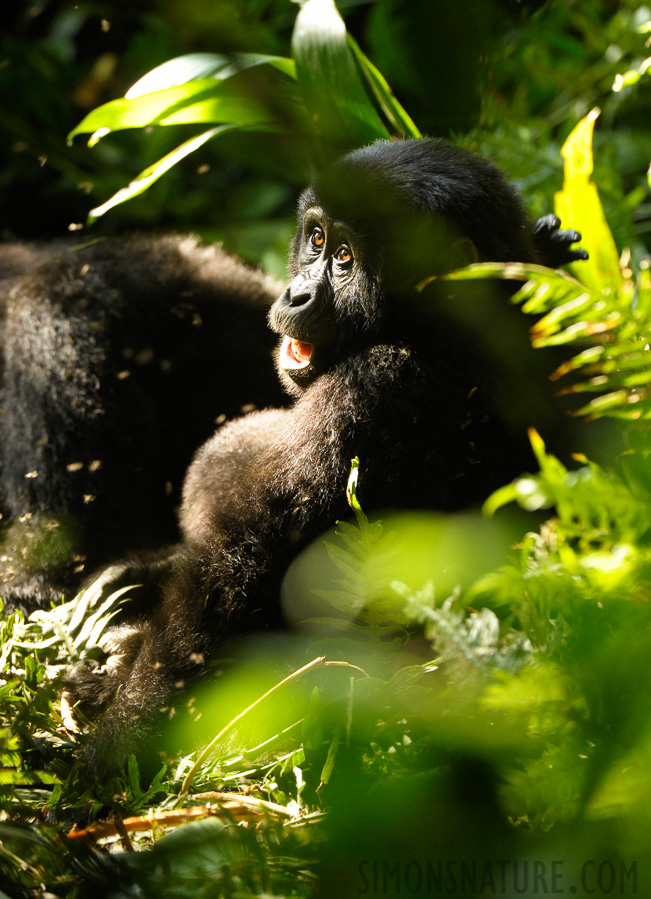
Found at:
[295, 354]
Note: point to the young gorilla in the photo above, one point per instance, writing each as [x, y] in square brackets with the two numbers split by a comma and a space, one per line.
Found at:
[117, 357]
[369, 378]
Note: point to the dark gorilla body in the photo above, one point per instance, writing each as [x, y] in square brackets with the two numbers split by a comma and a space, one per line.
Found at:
[117, 358]
[369, 379]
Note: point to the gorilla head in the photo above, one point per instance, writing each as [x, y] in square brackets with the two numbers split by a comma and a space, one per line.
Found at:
[373, 226]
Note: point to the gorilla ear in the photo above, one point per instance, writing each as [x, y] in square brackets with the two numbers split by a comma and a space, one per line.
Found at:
[463, 252]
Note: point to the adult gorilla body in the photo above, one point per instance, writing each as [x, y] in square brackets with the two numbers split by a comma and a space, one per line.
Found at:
[116, 356]
[370, 380]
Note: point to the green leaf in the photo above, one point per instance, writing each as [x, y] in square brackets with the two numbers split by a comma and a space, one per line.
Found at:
[133, 775]
[22, 778]
[396, 114]
[631, 76]
[95, 624]
[326, 772]
[197, 66]
[351, 487]
[337, 624]
[334, 93]
[536, 276]
[153, 172]
[578, 205]
[618, 364]
[201, 101]
[643, 285]
[619, 405]
[342, 600]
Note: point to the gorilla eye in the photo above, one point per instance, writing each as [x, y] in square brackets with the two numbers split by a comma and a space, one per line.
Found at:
[343, 254]
[317, 238]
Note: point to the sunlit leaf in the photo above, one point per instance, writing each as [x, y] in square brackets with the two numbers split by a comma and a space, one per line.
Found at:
[197, 66]
[232, 101]
[334, 93]
[643, 285]
[630, 77]
[578, 206]
[269, 697]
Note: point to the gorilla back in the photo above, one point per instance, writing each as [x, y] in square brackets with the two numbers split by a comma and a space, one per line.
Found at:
[376, 372]
[117, 357]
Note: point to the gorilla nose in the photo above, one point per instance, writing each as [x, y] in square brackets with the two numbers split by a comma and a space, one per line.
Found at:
[299, 294]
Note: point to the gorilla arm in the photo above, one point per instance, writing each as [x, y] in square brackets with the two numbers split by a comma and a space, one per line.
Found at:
[291, 490]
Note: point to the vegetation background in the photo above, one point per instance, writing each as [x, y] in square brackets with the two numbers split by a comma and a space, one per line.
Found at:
[508, 78]
[498, 739]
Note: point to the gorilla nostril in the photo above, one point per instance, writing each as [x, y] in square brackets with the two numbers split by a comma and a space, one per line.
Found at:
[300, 298]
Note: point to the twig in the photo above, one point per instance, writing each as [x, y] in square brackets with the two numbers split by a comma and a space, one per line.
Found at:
[231, 805]
[253, 801]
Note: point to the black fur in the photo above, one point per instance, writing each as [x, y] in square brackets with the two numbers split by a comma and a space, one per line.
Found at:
[391, 377]
[117, 359]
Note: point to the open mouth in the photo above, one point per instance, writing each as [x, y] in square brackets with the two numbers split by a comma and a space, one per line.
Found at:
[294, 354]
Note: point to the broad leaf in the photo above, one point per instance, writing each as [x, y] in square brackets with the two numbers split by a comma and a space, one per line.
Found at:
[235, 100]
[196, 66]
[578, 206]
[329, 78]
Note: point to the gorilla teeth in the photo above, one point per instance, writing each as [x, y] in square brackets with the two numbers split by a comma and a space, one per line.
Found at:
[295, 353]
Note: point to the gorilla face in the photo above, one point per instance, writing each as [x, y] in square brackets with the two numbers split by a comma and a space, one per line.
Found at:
[359, 245]
[333, 300]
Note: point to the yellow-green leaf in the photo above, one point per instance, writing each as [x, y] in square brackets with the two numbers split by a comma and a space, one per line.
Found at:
[234, 101]
[578, 206]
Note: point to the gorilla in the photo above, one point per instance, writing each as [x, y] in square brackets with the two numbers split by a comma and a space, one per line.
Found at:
[117, 358]
[376, 368]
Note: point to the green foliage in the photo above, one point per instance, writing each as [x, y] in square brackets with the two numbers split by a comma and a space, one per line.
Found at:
[579, 201]
[369, 614]
[633, 76]
[151, 174]
[608, 309]
[616, 363]
[330, 81]
[259, 93]
[551, 696]
[580, 592]
[560, 65]
[36, 747]
[506, 718]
